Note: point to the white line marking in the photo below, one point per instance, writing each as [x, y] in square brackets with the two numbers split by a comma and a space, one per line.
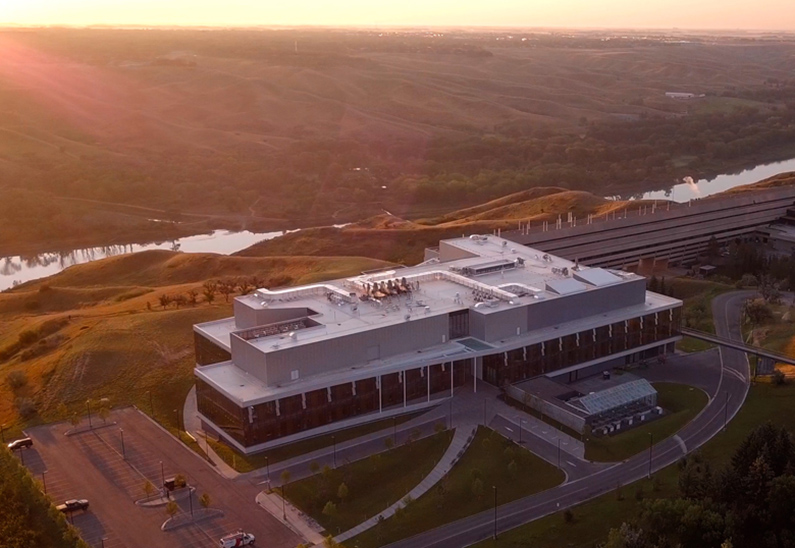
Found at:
[571, 463]
[508, 429]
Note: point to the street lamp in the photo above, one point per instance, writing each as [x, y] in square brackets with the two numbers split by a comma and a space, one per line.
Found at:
[123, 452]
[495, 511]
[268, 468]
[726, 411]
[651, 443]
[284, 511]
[88, 407]
[162, 475]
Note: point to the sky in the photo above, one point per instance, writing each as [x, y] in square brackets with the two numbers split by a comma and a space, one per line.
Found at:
[662, 14]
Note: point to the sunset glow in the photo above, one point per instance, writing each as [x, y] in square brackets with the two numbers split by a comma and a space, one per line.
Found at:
[712, 14]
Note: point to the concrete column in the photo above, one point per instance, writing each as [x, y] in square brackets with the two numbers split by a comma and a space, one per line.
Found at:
[404, 389]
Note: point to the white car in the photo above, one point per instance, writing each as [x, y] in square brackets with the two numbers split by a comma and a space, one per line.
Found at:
[236, 539]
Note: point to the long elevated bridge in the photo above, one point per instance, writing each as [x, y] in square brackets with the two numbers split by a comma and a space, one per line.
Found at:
[767, 359]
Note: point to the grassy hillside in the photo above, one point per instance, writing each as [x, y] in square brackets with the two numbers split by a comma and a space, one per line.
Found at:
[98, 330]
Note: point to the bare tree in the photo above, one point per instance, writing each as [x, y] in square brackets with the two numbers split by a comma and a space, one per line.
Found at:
[209, 289]
[165, 300]
[193, 297]
[226, 288]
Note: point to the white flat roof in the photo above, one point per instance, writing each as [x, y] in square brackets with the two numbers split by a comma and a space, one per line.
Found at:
[248, 390]
[442, 288]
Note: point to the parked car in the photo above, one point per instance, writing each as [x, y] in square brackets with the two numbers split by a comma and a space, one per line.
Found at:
[73, 505]
[236, 539]
[18, 444]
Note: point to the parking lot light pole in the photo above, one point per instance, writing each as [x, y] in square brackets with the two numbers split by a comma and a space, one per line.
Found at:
[162, 475]
[190, 499]
[284, 510]
[44, 481]
[88, 407]
[268, 468]
[123, 452]
[495, 511]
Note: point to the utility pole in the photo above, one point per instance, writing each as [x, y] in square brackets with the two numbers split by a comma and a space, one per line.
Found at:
[726, 411]
[651, 444]
[495, 511]
[559, 452]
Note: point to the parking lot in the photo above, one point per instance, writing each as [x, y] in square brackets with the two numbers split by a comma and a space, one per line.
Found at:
[96, 465]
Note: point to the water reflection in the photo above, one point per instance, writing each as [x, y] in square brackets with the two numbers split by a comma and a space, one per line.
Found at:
[689, 189]
[18, 269]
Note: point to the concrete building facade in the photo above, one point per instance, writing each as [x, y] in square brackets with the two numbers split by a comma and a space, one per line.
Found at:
[296, 362]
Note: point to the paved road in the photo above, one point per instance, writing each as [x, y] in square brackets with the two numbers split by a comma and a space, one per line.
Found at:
[91, 465]
[725, 400]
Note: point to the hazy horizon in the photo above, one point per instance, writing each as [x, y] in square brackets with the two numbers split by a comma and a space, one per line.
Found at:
[732, 15]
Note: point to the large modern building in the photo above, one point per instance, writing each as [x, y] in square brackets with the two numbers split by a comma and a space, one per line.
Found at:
[303, 360]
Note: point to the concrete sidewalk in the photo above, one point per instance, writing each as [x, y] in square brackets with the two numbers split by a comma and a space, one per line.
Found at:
[291, 516]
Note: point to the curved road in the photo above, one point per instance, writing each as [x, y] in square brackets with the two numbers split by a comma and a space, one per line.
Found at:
[723, 405]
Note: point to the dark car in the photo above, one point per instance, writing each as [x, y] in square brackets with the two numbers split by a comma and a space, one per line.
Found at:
[18, 444]
[73, 505]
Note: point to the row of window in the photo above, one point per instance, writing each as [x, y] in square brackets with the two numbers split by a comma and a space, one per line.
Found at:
[275, 419]
[545, 357]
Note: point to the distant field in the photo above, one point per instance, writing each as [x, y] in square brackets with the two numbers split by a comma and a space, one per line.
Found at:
[247, 129]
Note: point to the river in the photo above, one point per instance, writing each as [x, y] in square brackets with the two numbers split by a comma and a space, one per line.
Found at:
[16, 269]
[691, 190]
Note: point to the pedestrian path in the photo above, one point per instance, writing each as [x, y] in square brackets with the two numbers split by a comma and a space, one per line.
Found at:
[301, 524]
[461, 439]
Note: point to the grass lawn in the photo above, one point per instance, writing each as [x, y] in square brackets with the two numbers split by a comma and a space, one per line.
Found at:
[697, 297]
[594, 519]
[373, 484]
[681, 401]
[467, 488]
[247, 463]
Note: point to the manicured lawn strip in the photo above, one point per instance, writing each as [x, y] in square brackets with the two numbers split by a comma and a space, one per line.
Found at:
[697, 297]
[681, 401]
[594, 519]
[244, 463]
[487, 459]
[373, 484]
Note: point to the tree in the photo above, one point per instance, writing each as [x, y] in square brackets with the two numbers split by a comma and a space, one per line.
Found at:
[164, 300]
[749, 280]
[314, 467]
[226, 288]
[439, 427]
[244, 286]
[477, 487]
[104, 413]
[330, 509]
[180, 481]
[713, 248]
[756, 311]
[62, 411]
[193, 296]
[149, 489]
[205, 500]
[16, 380]
[209, 289]
[342, 492]
[172, 508]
